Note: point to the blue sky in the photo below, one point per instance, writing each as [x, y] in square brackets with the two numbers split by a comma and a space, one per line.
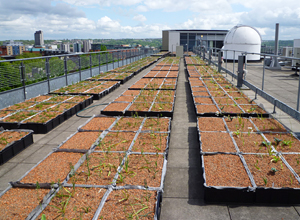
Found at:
[71, 19]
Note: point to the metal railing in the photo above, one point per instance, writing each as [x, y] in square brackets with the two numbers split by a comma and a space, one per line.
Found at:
[216, 60]
[23, 72]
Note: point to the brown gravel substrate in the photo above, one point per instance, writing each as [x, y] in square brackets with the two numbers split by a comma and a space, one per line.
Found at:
[201, 100]
[82, 204]
[128, 124]
[230, 109]
[237, 94]
[129, 204]
[206, 109]
[156, 124]
[62, 107]
[53, 169]
[201, 93]
[253, 109]
[199, 89]
[132, 92]
[150, 142]
[216, 142]
[211, 124]
[140, 106]
[116, 141]
[260, 167]
[98, 169]
[81, 140]
[17, 203]
[288, 142]
[99, 123]
[225, 170]
[143, 170]
[268, 124]
[218, 94]
[19, 106]
[239, 124]
[43, 117]
[7, 137]
[39, 98]
[124, 98]
[159, 107]
[243, 100]
[224, 101]
[5, 113]
[250, 143]
[116, 106]
[19, 116]
[294, 161]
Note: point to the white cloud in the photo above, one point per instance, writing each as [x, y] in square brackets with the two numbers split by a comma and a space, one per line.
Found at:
[140, 18]
[102, 2]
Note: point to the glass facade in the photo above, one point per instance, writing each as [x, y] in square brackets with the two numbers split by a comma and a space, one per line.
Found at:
[190, 40]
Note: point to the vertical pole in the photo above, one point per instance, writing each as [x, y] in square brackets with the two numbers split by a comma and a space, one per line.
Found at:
[113, 59]
[263, 76]
[209, 57]
[122, 56]
[79, 63]
[233, 64]
[99, 58]
[219, 61]
[298, 97]
[118, 58]
[48, 73]
[66, 69]
[23, 79]
[91, 74]
[106, 61]
[241, 62]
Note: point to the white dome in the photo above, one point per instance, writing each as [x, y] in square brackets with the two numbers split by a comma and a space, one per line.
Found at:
[242, 38]
[243, 34]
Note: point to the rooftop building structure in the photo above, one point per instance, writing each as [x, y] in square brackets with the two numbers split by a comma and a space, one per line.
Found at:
[192, 38]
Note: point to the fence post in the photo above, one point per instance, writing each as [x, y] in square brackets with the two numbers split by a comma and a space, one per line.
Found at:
[209, 57]
[241, 63]
[113, 60]
[91, 74]
[48, 73]
[106, 61]
[118, 53]
[298, 97]
[99, 58]
[122, 56]
[263, 77]
[219, 61]
[23, 79]
[66, 69]
[233, 64]
[79, 63]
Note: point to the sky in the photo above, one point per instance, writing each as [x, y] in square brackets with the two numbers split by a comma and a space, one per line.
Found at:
[115, 19]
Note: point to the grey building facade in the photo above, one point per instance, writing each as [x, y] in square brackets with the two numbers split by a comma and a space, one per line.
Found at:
[191, 38]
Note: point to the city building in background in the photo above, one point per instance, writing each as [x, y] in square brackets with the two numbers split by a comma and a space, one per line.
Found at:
[65, 48]
[11, 48]
[76, 47]
[192, 38]
[38, 38]
[87, 45]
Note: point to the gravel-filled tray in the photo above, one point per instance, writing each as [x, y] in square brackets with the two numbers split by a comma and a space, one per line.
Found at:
[115, 76]
[252, 160]
[13, 142]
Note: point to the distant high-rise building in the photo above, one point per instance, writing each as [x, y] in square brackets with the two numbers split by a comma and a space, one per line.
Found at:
[65, 48]
[87, 45]
[38, 38]
[76, 47]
